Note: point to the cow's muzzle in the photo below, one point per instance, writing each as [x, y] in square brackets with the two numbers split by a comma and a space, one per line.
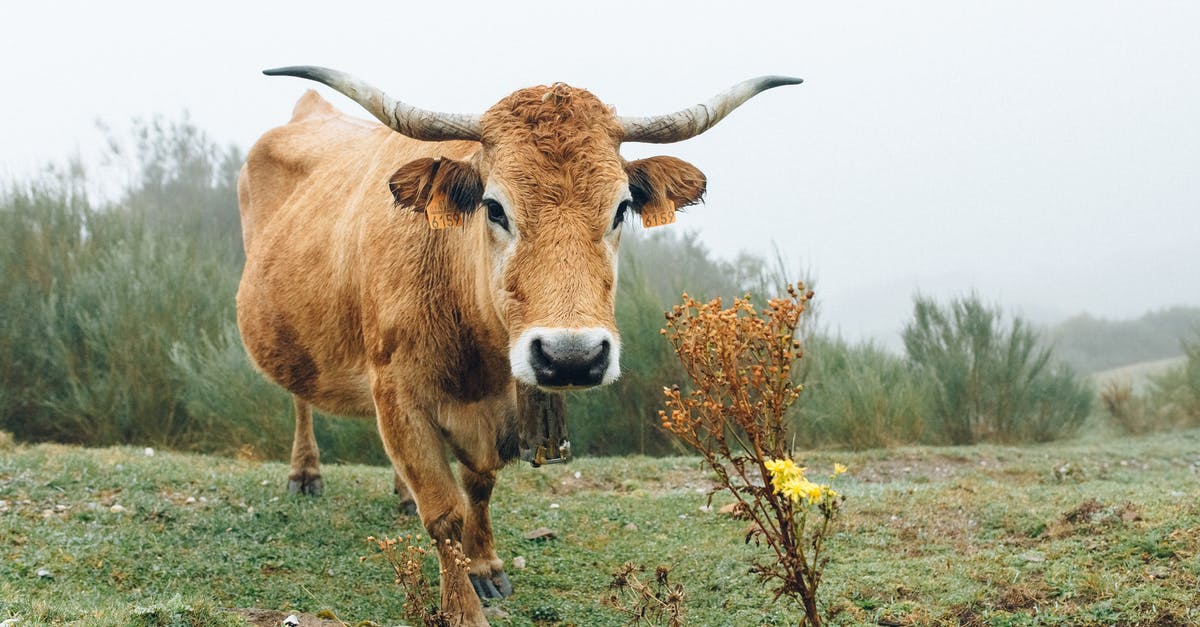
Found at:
[557, 359]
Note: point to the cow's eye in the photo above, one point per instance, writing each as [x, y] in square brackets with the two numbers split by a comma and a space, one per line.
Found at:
[496, 213]
[622, 209]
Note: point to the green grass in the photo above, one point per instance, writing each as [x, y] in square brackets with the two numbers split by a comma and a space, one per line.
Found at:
[1095, 532]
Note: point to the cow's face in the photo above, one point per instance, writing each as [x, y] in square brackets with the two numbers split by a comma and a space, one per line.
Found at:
[549, 194]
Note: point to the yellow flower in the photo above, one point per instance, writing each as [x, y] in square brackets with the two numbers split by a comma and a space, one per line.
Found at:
[838, 469]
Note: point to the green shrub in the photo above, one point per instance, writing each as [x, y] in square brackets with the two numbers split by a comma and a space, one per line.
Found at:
[117, 320]
[988, 382]
[1171, 400]
[859, 396]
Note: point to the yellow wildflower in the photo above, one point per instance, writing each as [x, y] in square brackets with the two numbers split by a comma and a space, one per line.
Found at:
[838, 469]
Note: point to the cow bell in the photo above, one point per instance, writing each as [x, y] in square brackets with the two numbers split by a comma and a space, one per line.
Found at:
[541, 426]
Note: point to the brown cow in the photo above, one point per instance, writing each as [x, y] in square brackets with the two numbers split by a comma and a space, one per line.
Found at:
[357, 300]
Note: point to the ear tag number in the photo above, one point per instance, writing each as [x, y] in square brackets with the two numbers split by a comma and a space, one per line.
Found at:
[440, 214]
[443, 219]
[658, 213]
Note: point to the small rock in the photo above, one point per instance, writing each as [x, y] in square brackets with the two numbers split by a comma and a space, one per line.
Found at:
[1033, 556]
[291, 621]
[44, 574]
[491, 611]
[190, 500]
[149, 452]
[554, 506]
[630, 527]
[541, 533]
[518, 562]
[706, 508]
[682, 516]
[578, 474]
[117, 509]
[264, 482]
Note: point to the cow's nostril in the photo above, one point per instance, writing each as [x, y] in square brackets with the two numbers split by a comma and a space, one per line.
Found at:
[537, 353]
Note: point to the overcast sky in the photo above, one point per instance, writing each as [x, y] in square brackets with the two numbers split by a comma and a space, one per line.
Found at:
[1044, 154]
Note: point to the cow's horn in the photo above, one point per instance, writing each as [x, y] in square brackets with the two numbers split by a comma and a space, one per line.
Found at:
[404, 119]
[690, 122]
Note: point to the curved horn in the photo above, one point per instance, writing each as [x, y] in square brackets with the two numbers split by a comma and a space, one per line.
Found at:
[690, 122]
[404, 119]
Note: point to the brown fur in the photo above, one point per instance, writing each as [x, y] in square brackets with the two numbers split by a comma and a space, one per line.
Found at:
[359, 308]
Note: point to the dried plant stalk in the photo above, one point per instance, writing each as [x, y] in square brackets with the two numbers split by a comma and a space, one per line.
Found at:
[739, 360]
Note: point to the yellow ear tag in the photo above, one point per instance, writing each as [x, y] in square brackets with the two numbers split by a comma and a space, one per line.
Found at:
[440, 217]
[439, 213]
[658, 213]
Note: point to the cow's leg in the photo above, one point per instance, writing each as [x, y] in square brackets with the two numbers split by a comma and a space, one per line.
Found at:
[407, 505]
[487, 569]
[414, 445]
[305, 474]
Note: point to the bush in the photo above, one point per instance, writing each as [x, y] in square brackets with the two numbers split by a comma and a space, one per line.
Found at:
[989, 383]
[1171, 400]
[116, 319]
[859, 397]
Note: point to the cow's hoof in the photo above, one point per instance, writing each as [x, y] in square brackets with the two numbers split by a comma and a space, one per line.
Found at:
[493, 586]
[308, 485]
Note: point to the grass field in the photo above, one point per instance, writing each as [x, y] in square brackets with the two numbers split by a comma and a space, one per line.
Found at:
[1093, 532]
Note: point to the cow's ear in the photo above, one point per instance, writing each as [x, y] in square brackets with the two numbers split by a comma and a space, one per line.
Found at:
[437, 186]
[662, 185]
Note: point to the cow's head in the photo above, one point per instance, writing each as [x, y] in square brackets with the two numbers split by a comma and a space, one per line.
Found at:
[553, 190]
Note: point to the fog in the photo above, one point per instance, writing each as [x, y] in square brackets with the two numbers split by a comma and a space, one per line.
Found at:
[1044, 155]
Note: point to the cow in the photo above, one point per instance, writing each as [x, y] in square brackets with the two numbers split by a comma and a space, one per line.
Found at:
[419, 271]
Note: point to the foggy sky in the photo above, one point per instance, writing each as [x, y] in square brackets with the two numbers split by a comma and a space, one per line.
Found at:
[1043, 154]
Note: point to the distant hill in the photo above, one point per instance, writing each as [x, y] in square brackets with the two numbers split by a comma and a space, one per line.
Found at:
[1092, 344]
[1136, 375]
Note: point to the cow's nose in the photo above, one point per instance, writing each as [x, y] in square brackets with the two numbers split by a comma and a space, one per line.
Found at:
[566, 358]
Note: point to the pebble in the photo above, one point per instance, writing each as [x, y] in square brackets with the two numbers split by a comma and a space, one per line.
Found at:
[149, 452]
[117, 509]
[190, 500]
[291, 621]
[45, 574]
[518, 562]
[554, 506]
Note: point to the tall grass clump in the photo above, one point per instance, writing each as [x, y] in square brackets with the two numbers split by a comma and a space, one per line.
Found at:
[991, 381]
[859, 396]
[1170, 400]
[739, 362]
[117, 310]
